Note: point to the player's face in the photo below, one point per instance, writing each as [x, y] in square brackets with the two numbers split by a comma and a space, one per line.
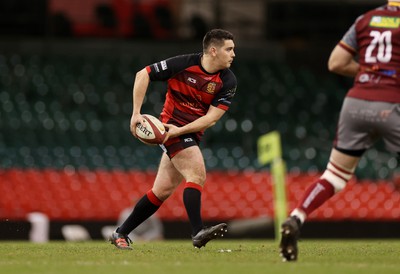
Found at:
[226, 54]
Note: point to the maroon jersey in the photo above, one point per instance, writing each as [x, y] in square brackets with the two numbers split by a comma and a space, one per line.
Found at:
[375, 37]
[191, 90]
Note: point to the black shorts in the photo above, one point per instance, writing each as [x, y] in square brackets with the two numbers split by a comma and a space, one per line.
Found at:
[174, 145]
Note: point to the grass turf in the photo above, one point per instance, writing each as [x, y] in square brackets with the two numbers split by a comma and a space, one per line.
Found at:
[219, 256]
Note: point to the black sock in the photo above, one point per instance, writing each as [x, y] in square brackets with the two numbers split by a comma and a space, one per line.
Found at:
[143, 210]
[192, 202]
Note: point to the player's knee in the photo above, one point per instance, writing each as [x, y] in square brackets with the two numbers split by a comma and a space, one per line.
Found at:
[163, 193]
[337, 175]
[199, 179]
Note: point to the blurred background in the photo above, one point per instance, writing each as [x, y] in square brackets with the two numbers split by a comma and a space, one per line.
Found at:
[66, 153]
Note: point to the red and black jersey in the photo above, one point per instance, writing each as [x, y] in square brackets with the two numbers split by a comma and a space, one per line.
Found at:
[375, 37]
[190, 89]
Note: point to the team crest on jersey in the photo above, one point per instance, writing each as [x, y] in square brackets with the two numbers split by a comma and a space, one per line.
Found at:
[385, 22]
[211, 87]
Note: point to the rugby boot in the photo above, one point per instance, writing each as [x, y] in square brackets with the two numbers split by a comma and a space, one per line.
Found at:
[121, 241]
[208, 233]
[290, 233]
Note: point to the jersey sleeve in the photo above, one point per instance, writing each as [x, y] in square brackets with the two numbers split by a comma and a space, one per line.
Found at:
[224, 97]
[349, 40]
[163, 70]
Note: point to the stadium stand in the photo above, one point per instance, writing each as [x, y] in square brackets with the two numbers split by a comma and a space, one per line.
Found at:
[66, 149]
[102, 195]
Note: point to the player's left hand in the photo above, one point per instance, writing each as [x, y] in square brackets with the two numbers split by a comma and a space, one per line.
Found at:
[172, 131]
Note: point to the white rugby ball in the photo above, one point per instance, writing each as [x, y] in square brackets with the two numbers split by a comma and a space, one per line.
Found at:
[151, 131]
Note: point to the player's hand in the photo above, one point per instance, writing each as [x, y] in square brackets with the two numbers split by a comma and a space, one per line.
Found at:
[172, 131]
[136, 119]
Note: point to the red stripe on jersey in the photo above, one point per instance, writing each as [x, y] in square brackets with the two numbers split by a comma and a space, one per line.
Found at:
[209, 84]
[191, 92]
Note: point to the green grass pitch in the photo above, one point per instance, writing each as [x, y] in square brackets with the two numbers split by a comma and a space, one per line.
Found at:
[219, 256]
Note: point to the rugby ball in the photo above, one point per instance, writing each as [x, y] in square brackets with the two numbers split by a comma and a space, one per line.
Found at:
[151, 131]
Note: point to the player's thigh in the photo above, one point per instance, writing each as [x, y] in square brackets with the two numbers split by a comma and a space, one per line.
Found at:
[391, 127]
[362, 123]
[355, 132]
[190, 163]
[167, 180]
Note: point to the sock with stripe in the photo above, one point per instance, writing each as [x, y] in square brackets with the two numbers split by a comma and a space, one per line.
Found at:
[192, 202]
[315, 195]
[333, 180]
[144, 208]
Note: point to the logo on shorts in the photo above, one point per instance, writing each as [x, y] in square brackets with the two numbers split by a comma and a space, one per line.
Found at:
[163, 148]
[188, 140]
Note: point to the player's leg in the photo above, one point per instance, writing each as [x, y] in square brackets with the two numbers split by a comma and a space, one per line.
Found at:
[354, 135]
[338, 172]
[167, 179]
[190, 163]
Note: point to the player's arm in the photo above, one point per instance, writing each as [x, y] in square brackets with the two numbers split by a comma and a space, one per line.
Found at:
[142, 81]
[342, 62]
[202, 123]
[160, 71]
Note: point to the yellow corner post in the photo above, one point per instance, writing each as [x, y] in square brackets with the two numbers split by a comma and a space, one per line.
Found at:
[270, 152]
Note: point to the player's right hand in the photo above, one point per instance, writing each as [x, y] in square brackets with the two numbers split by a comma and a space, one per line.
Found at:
[135, 119]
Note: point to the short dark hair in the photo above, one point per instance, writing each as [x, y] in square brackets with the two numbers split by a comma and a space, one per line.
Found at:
[216, 37]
